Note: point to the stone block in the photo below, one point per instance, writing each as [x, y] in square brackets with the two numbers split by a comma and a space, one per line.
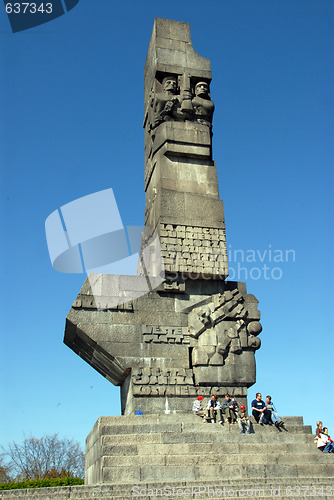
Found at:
[133, 461]
[130, 441]
[118, 450]
[168, 473]
[111, 333]
[121, 475]
[161, 30]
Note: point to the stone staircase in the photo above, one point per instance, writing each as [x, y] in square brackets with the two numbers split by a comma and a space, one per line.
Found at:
[180, 450]
[178, 456]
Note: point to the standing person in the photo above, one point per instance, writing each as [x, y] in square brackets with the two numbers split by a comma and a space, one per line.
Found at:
[230, 408]
[214, 408]
[243, 420]
[258, 408]
[271, 413]
[198, 407]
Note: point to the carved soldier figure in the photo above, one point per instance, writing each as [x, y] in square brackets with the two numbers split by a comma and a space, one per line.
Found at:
[166, 102]
[202, 105]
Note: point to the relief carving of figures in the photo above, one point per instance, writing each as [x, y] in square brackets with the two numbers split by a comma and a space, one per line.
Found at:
[180, 100]
[226, 338]
[202, 105]
[165, 103]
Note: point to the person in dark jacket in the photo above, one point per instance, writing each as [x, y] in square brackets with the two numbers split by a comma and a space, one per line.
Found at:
[230, 408]
[258, 409]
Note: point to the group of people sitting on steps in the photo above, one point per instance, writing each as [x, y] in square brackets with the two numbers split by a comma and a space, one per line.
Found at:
[322, 439]
[229, 411]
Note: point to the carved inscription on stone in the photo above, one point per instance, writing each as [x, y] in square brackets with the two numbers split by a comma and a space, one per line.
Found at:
[165, 390]
[89, 302]
[175, 382]
[162, 376]
[193, 249]
[172, 285]
[165, 334]
[162, 381]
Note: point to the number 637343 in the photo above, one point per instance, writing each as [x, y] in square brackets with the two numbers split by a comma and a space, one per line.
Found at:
[28, 8]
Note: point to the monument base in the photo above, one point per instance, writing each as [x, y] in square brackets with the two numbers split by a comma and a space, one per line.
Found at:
[178, 456]
[155, 451]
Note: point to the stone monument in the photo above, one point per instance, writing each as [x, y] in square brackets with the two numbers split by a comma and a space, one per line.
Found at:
[165, 338]
[195, 333]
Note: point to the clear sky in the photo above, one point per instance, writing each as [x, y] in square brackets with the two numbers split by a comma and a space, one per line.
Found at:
[71, 125]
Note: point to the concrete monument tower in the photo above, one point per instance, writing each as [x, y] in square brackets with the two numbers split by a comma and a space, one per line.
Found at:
[179, 329]
[195, 333]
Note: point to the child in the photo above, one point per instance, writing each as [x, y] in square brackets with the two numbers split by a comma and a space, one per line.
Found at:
[198, 407]
[325, 431]
[243, 420]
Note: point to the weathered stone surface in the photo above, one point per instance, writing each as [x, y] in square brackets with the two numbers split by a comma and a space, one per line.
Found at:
[161, 445]
[196, 333]
[167, 338]
[180, 177]
[210, 340]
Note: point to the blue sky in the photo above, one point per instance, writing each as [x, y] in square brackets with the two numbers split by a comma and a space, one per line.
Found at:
[71, 125]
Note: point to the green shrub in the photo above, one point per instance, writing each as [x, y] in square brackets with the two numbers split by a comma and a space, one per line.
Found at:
[42, 483]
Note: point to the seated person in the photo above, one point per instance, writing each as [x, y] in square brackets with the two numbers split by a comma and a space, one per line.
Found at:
[198, 407]
[230, 408]
[258, 409]
[271, 413]
[243, 420]
[214, 408]
[325, 431]
[323, 444]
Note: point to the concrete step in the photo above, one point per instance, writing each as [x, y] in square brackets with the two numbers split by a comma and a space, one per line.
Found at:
[262, 487]
[177, 428]
[218, 458]
[273, 487]
[207, 438]
[243, 494]
[193, 449]
[175, 418]
[140, 474]
[268, 494]
[236, 437]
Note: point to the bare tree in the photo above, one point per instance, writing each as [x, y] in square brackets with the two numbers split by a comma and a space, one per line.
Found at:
[37, 458]
[5, 470]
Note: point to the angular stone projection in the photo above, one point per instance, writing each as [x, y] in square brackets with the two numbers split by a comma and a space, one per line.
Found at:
[195, 333]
